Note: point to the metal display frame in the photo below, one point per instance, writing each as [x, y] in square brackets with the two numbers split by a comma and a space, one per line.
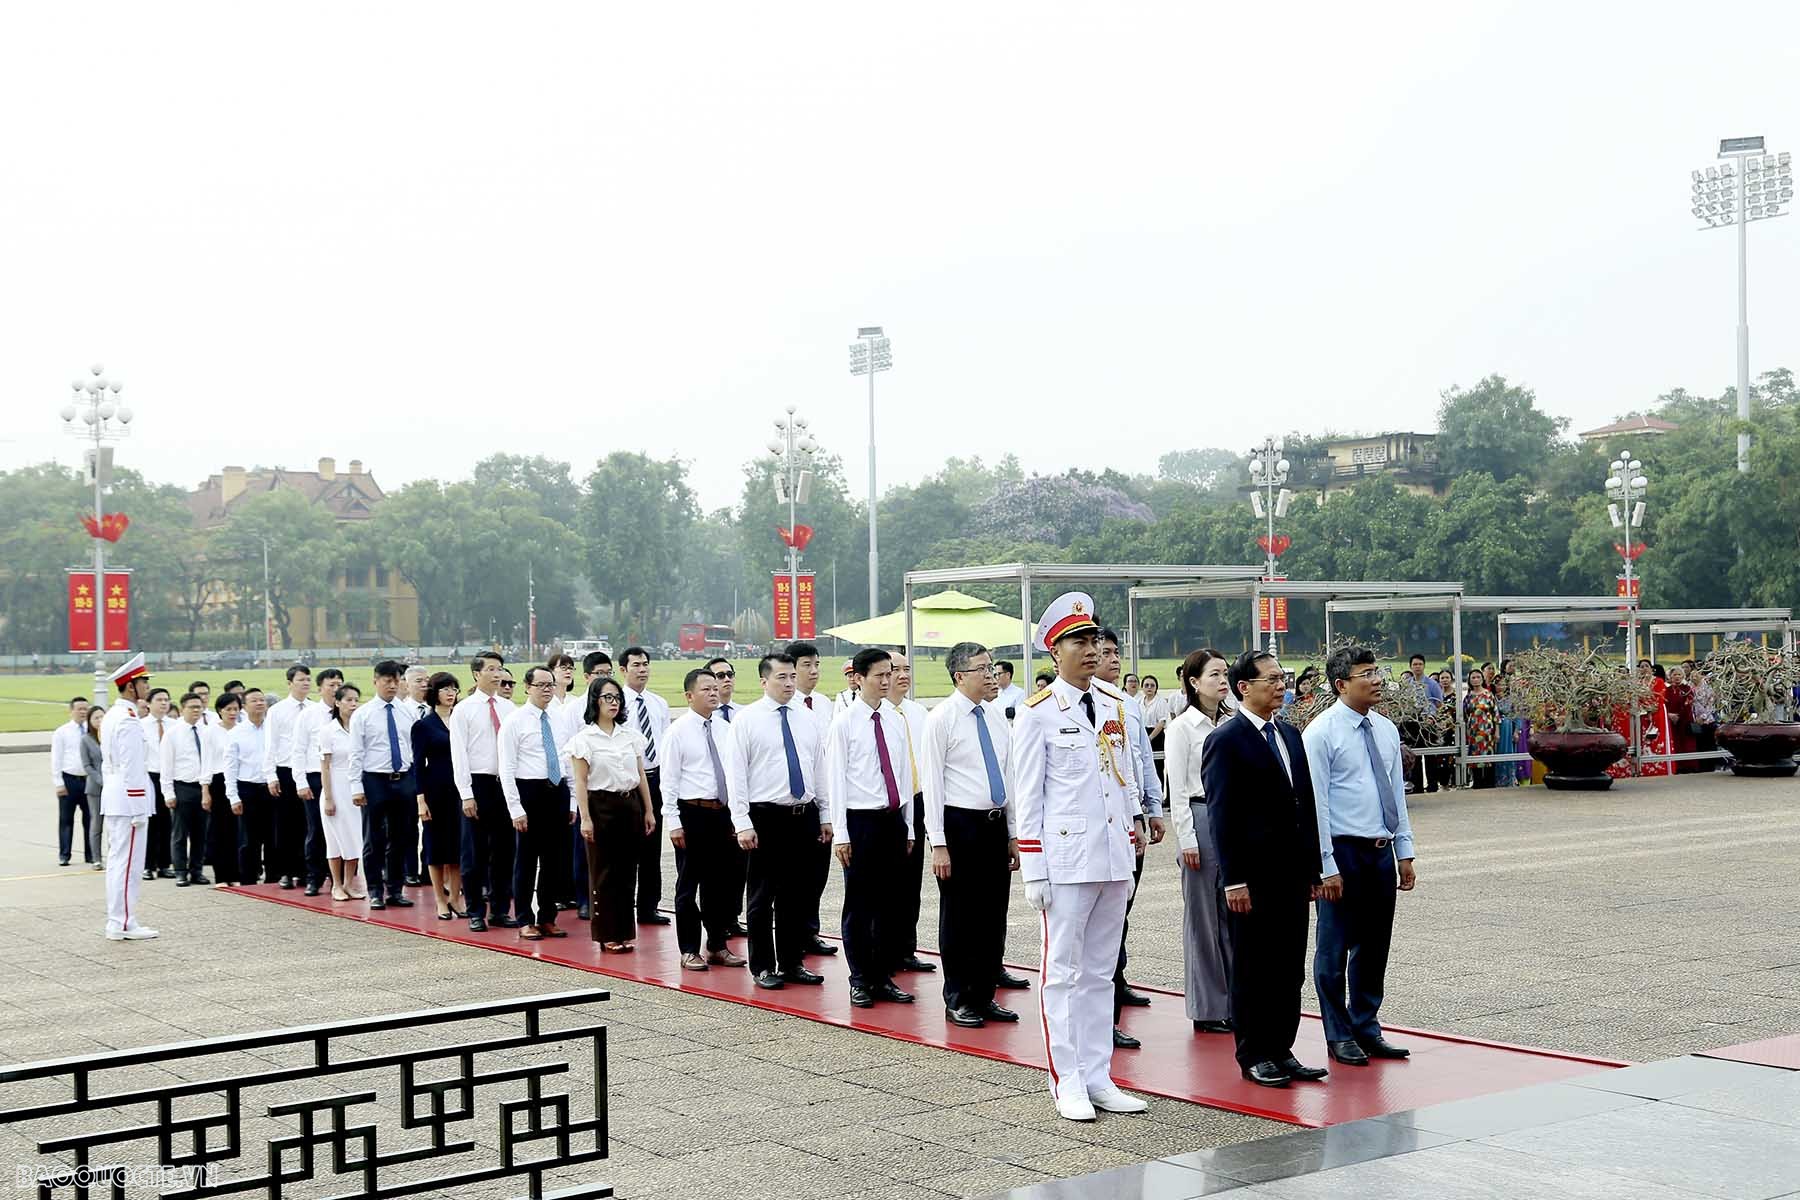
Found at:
[1670, 621]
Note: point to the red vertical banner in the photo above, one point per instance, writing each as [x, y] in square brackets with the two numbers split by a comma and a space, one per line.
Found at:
[1281, 614]
[1629, 587]
[84, 602]
[786, 606]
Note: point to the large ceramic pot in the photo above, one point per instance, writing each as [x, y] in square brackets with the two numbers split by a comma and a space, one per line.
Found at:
[1578, 761]
[1761, 749]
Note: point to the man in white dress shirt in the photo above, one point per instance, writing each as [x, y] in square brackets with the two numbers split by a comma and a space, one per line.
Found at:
[1012, 696]
[306, 766]
[416, 679]
[969, 823]
[186, 770]
[157, 723]
[809, 697]
[488, 840]
[648, 713]
[772, 775]
[912, 881]
[280, 739]
[532, 770]
[697, 814]
[865, 759]
[568, 713]
[1077, 798]
[247, 788]
[725, 671]
[125, 803]
[69, 777]
[381, 778]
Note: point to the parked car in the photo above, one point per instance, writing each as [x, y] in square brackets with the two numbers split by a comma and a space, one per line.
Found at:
[233, 660]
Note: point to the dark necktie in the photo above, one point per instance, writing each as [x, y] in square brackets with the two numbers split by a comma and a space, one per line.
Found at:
[1390, 809]
[393, 738]
[1087, 702]
[199, 754]
[1269, 737]
[644, 728]
[887, 764]
[996, 781]
[725, 711]
[796, 779]
[712, 752]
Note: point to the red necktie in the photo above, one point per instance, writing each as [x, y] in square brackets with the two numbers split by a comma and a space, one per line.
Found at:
[887, 765]
[494, 713]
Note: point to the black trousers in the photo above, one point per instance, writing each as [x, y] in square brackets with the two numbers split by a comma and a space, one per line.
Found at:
[739, 867]
[703, 876]
[316, 869]
[160, 830]
[972, 905]
[873, 894]
[544, 847]
[817, 869]
[1268, 968]
[256, 834]
[649, 880]
[488, 842]
[780, 877]
[1440, 771]
[1350, 952]
[188, 836]
[222, 835]
[290, 824]
[1137, 873]
[612, 859]
[66, 807]
[390, 825]
[911, 883]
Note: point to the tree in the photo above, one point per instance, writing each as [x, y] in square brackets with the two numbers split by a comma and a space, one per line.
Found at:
[636, 515]
[913, 521]
[305, 551]
[40, 538]
[840, 529]
[1056, 509]
[1206, 470]
[1494, 427]
[973, 482]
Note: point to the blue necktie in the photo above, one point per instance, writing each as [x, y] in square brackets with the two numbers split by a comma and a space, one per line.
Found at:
[725, 711]
[796, 779]
[1390, 810]
[996, 782]
[393, 738]
[199, 754]
[552, 768]
[1269, 737]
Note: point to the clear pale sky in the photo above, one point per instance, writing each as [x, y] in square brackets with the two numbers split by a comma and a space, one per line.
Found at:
[417, 234]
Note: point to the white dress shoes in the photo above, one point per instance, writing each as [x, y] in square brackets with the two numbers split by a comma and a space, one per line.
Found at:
[1112, 1100]
[1075, 1107]
[137, 933]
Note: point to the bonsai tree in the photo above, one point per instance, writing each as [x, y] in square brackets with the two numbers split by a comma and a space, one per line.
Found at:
[1568, 692]
[1399, 703]
[1751, 684]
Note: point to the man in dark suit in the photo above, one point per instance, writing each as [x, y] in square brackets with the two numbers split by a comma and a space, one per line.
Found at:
[1259, 801]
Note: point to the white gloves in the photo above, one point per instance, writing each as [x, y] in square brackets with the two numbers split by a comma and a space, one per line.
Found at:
[1037, 894]
[140, 822]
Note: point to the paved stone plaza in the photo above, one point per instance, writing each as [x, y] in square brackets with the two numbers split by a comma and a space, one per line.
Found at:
[1644, 923]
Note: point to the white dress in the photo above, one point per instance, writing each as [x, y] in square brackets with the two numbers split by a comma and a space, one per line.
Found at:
[343, 828]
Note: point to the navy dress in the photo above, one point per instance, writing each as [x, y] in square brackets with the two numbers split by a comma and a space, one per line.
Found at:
[431, 760]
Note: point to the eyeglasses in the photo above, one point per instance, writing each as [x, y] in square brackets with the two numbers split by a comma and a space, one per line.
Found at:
[541, 683]
[506, 685]
[609, 698]
[724, 674]
[1277, 678]
[989, 671]
[1371, 673]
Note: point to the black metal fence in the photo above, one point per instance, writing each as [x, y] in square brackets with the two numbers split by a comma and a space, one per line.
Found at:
[210, 1154]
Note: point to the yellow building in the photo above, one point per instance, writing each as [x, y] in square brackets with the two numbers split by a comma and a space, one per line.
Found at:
[374, 605]
[1409, 459]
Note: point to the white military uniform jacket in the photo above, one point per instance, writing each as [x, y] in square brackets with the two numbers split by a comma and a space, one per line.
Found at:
[125, 759]
[1074, 786]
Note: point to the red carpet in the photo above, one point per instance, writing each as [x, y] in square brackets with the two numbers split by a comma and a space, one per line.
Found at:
[1770, 1052]
[1174, 1062]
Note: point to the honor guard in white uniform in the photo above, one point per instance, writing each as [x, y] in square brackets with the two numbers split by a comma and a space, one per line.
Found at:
[1076, 796]
[126, 802]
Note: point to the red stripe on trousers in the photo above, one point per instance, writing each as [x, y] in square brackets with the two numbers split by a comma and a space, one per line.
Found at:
[131, 853]
[1043, 1014]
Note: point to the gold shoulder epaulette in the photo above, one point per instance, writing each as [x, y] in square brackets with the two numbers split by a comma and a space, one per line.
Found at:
[1105, 689]
[1038, 698]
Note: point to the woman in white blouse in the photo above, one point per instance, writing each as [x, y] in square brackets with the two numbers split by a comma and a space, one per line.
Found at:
[1203, 683]
[341, 820]
[607, 761]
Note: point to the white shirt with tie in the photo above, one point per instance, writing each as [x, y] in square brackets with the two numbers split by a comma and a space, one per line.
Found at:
[648, 707]
[688, 765]
[853, 776]
[757, 769]
[522, 754]
[183, 757]
[155, 729]
[952, 768]
[474, 738]
[1257, 723]
[244, 757]
[371, 750]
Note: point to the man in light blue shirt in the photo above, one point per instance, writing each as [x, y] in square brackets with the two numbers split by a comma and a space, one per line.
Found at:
[1365, 840]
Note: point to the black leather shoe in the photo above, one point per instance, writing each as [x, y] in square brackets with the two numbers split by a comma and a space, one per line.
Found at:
[584, 912]
[312, 889]
[415, 881]
[199, 880]
[1131, 999]
[1380, 1047]
[1298, 1070]
[1348, 1053]
[1266, 1074]
[1123, 1040]
[477, 924]
[287, 883]
[968, 1018]
[149, 874]
[994, 1012]
[1008, 980]
[802, 975]
[654, 918]
[821, 946]
[505, 922]
[564, 905]
[770, 980]
[888, 991]
[737, 930]
[376, 903]
[1213, 1027]
[184, 882]
[915, 963]
[165, 873]
[861, 998]
[399, 902]
[62, 862]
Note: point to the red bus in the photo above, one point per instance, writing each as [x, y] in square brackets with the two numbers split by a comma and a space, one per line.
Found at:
[696, 638]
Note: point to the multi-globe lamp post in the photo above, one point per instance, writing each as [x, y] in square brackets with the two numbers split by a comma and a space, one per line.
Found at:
[1626, 484]
[790, 455]
[1747, 186]
[95, 414]
[1268, 500]
[870, 355]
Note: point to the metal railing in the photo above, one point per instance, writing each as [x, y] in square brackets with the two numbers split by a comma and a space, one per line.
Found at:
[194, 1152]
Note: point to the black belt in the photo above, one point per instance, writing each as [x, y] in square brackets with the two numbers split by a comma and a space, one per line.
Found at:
[794, 809]
[1380, 843]
[703, 803]
[1196, 800]
[991, 813]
